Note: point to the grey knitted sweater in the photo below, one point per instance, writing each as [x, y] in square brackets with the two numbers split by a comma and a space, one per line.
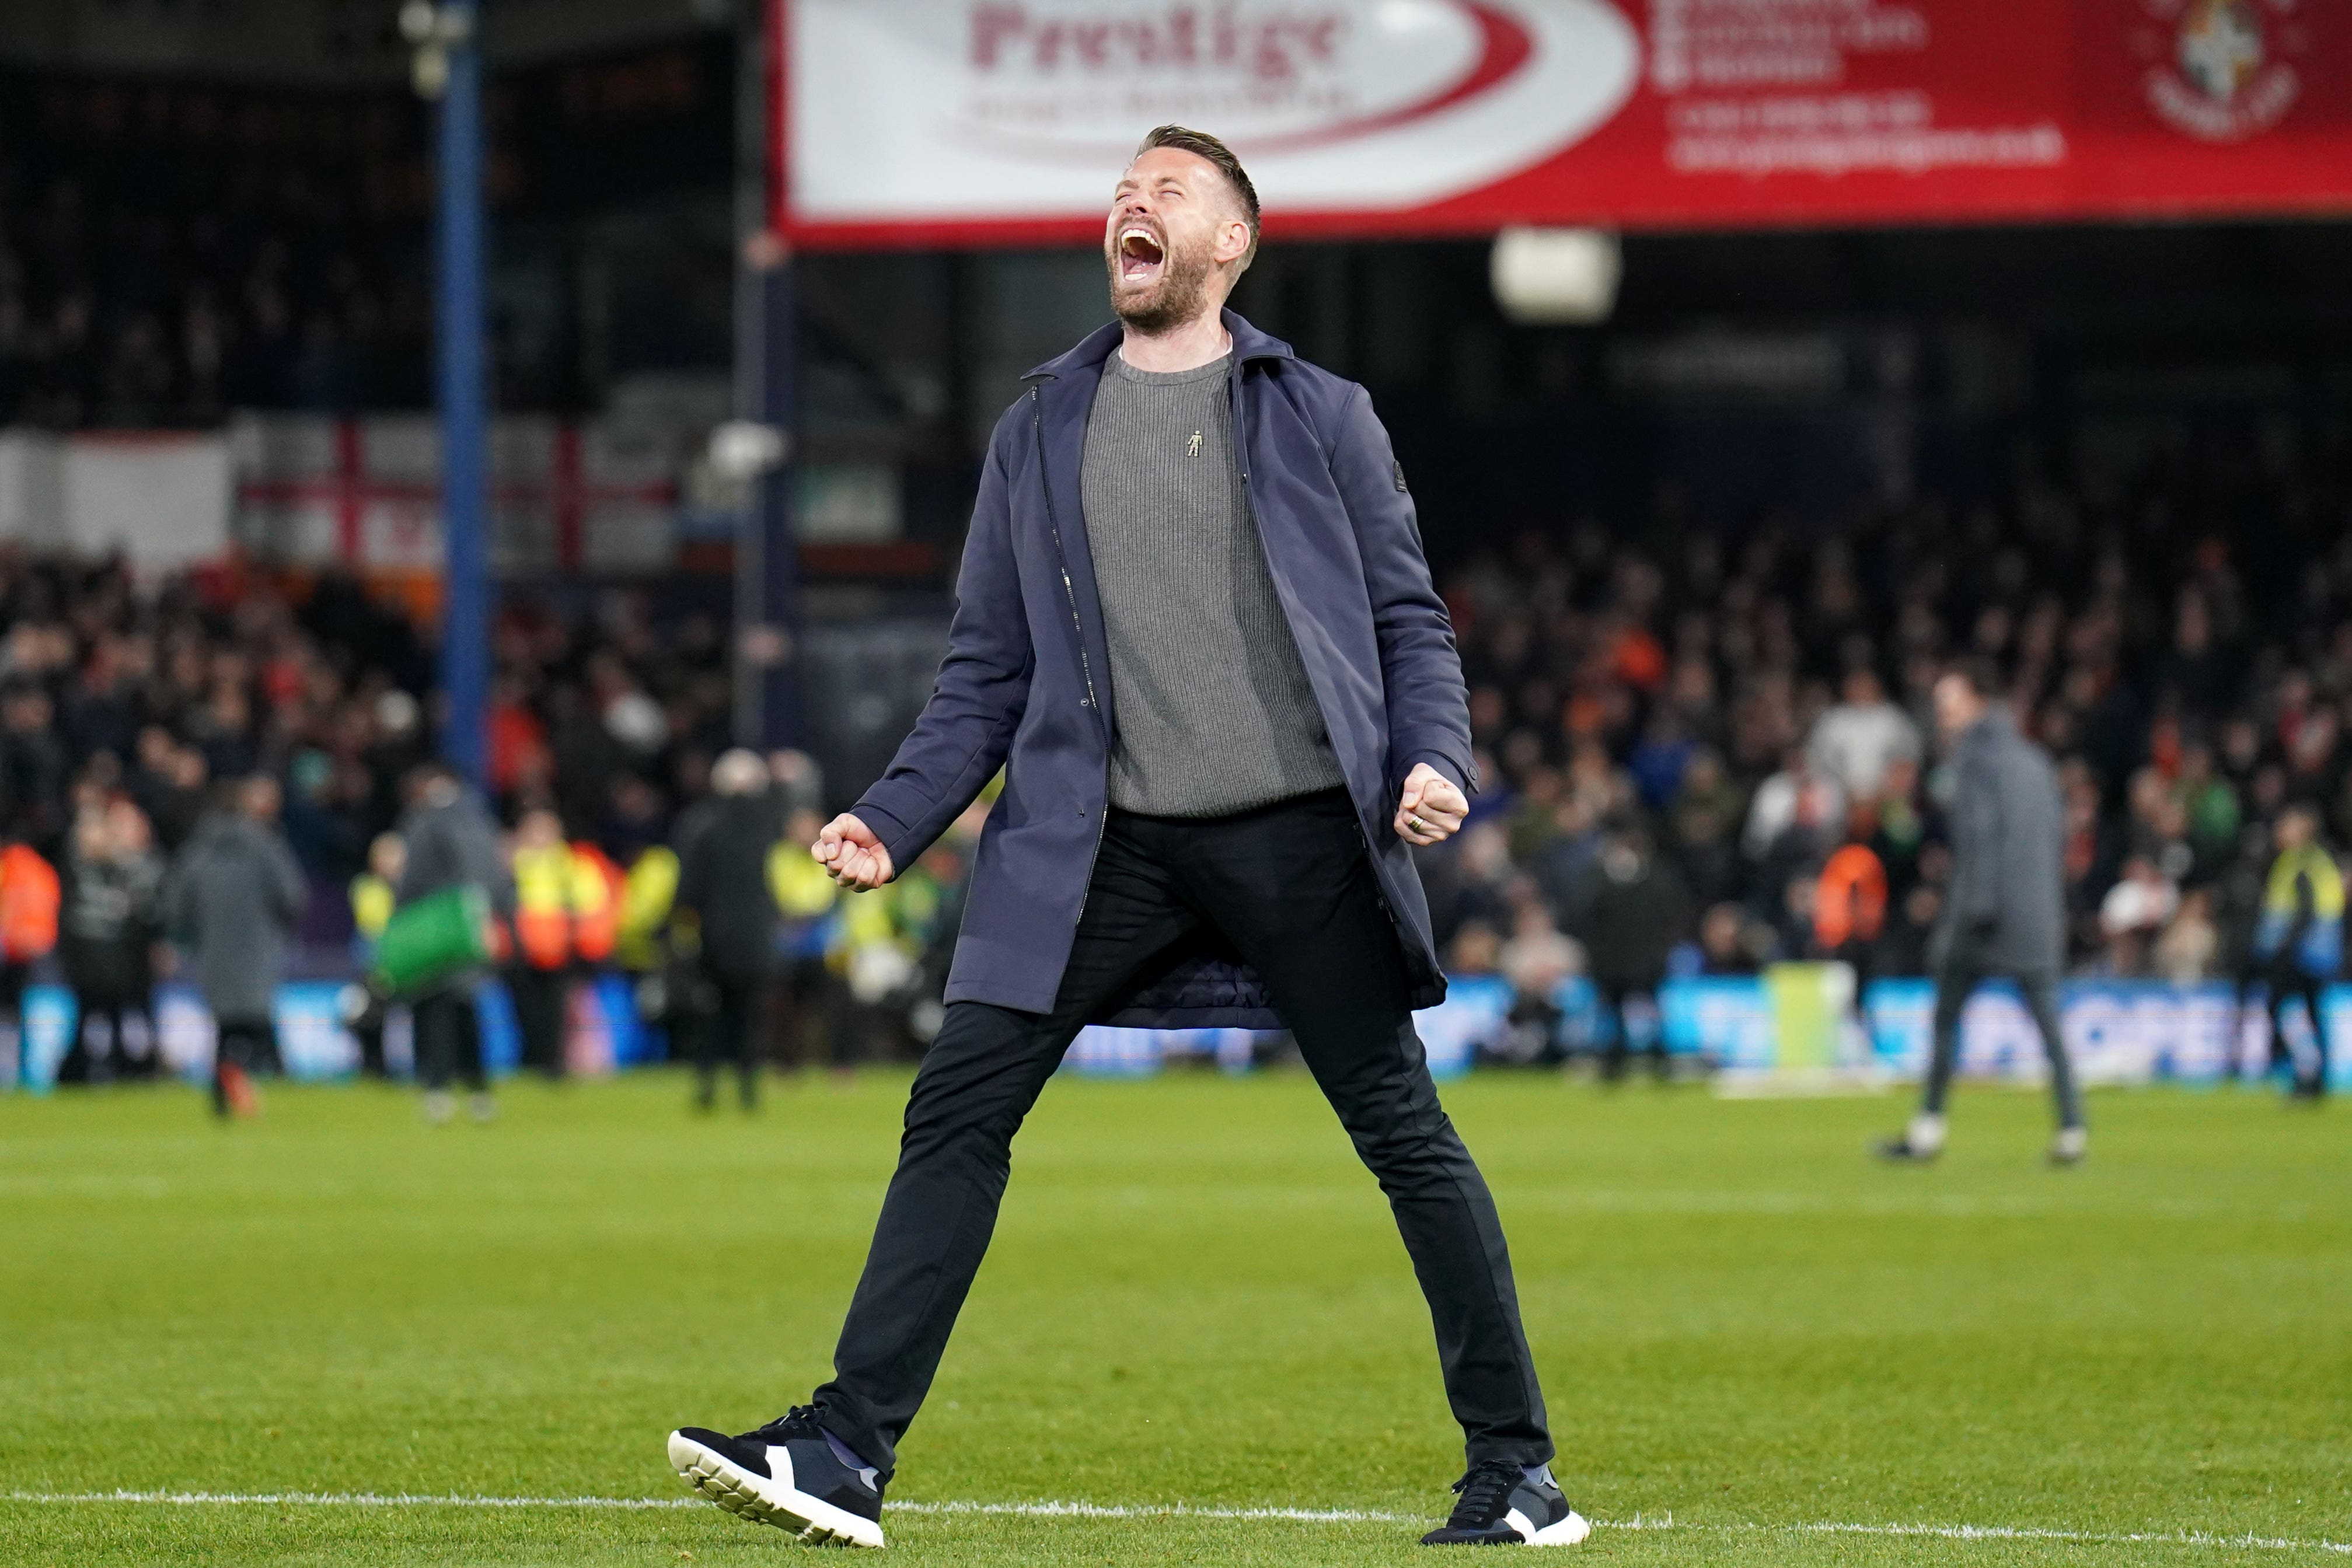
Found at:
[1212, 705]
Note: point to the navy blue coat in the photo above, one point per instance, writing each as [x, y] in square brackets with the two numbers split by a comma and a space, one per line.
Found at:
[1026, 682]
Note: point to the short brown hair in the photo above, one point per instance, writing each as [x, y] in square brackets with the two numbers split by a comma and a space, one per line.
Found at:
[1201, 145]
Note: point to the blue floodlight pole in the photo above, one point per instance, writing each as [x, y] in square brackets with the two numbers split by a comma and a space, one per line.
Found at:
[464, 400]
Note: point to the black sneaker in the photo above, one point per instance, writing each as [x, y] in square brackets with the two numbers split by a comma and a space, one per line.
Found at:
[1902, 1151]
[784, 1474]
[1501, 1506]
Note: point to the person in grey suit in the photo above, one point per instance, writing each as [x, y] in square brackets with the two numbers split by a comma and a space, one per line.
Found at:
[452, 842]
[235, 898]
[2006, 915]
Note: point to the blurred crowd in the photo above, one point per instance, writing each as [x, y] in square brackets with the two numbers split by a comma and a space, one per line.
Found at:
[1703, 752]
[140, 294]
[140, 723]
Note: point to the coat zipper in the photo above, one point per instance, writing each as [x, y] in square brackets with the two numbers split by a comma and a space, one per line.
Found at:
[1086, 665]
[1061, 555]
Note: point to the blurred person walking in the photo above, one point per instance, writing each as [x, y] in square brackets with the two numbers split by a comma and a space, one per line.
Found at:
[723, 893]
[235, 897]
[2005, 913]
[452, 843]
[108, 931]
[2299, 941]
[1185, 520]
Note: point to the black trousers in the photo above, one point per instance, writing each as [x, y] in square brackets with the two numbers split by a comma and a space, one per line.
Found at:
[14, 977]
[1961, 974]
[449, 1039]
[83, 1065]
[541, 1005]
[2288, 983]
[736, 1030]
[369, 1032]
[1290, 887]
[1613, 995]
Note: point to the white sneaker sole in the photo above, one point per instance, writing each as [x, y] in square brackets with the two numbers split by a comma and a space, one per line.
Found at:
[1567, 1532]
[763, 1499]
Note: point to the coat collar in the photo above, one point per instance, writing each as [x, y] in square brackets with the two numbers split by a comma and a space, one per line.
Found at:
[1097, 346]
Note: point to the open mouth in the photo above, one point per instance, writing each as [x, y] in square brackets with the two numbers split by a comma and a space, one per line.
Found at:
[1140, 256]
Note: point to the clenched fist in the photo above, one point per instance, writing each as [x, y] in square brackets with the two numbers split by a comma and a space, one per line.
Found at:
[852, 855]
[1431, 807]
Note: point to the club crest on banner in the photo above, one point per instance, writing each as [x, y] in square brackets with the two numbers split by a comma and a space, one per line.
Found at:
[2223, 69]
[1004, 122]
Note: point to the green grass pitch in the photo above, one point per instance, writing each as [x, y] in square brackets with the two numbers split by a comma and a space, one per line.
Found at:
[1751, 1334]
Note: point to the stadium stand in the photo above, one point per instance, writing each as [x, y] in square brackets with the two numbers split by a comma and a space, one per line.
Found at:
[2179, 645]
[1753, 707]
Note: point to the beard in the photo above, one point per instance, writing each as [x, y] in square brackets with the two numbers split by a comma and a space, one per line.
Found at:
[1175, 299]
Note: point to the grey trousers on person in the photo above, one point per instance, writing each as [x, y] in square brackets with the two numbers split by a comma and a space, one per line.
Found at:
[1955, 980]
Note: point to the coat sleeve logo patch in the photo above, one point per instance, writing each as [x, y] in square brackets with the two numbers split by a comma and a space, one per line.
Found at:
[1396, 472]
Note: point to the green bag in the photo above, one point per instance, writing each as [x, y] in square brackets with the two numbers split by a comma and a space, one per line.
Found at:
[436, 938]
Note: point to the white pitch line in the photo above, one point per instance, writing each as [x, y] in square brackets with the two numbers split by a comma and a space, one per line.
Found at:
[1156, 1510]
[1999, 1533]
[349, 1499]
[1188, 1511]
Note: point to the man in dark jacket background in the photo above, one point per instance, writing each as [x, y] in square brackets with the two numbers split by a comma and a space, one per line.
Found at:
[235, 899]
[1629, 908]
[722, 889]
[451, 842]
[2005, 913]
[1196, 631]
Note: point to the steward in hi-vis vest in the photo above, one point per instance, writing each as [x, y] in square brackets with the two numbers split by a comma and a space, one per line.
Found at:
[567, 910]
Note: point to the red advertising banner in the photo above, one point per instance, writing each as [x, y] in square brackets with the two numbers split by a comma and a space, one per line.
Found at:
[1005, 121]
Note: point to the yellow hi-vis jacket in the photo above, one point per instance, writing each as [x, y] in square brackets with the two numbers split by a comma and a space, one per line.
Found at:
[564, 906]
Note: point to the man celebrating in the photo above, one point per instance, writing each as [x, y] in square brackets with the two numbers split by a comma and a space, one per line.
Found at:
[2007, 915]
[1196, 630]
